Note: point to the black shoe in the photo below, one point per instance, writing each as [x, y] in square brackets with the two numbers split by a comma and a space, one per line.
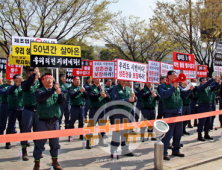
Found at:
[178, 154]
[28, 144]
[181, 145]
[117, 156]
[153, 139]
[166, 157]
[129, 154]
[195, 123]
[170, 146]
[88, 144]
[200, 138]
[207, 136]
[7, 146]
[186, 133]
[142, 140]
[81, 137]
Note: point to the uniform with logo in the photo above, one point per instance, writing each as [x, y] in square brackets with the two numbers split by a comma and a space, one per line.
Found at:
[186, 109]
[28, 95]
[138, 104]
[121, 94]
[96, 101]
[77, 102]
[15, 106]
[3, 108]
[172, 107]
[205, 94]
[109, 109]
[47, 118]
[65, 108]
[148, 106]
[86, 86]
[160, 106]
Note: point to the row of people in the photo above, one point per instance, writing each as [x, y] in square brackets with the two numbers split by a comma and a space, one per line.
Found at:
[39, 104]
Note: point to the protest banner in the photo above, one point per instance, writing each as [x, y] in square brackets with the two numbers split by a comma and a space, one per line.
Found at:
[21, 49]
[69, 75]
[218, 56]
[165, 67]
[2, 64]
[86, 70]
[190, 74]
[103, 69]
[55, 55]
[131, 71]
[11, 69]
[182, 61]
[201, 71]
[154, 72]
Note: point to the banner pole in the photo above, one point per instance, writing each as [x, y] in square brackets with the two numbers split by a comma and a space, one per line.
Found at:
[57, 75]
[1, 74]
[82, 81]
[21, 70]
[132, 87]
[103, 85]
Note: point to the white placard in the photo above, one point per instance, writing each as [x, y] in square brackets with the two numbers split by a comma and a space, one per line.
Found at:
[131, 71]
[190, 74]
[103, 70]
[153, 72]
[218, 68]
[26, 41]
[167, 67]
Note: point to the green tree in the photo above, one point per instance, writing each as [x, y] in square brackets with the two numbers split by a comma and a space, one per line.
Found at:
[52, 19]
[185, 21]
[109, 54]
[135, 39]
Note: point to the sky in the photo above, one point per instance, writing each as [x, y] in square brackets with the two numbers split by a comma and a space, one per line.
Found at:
[140, 8]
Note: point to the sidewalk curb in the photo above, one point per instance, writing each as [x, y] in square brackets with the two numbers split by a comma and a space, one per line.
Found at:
[198, 163]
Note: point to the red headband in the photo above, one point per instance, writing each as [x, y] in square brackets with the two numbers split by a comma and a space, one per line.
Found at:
[46, 76]
[75, 78]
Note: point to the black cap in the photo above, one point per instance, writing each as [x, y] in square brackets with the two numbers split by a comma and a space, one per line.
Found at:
[162, 77]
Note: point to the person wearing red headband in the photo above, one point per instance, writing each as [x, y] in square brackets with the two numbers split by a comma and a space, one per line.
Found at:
[48, 112]
[77, 97]
[172, 96]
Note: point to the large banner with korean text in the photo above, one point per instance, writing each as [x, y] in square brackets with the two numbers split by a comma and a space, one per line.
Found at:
[131, 71]
[103, 69]
[55, 55]
[182, 61]
[154, 72]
